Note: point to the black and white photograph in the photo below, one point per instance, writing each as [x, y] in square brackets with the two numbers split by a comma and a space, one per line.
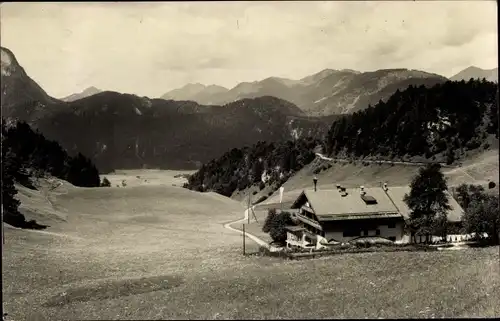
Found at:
[249, 160]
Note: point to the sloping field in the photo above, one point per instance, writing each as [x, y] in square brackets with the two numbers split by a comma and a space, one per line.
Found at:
[478, 170]
[141, 177]
[161, 252]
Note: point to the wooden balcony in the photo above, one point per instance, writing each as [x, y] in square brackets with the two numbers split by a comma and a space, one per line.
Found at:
[309, 221]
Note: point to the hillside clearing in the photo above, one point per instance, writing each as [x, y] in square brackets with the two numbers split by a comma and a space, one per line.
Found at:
[479, 169]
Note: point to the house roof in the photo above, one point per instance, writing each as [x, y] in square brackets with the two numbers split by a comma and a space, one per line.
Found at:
[397, 194]
[328, 203]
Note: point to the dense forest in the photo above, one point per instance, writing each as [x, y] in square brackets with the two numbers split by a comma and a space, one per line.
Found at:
[439, 123]
[259, 164]
[26, 154]
[446, 119]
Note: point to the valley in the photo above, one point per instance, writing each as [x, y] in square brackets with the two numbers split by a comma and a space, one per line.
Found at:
[263, 160]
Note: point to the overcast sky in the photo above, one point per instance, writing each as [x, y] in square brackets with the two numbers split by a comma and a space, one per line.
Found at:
[151, 48]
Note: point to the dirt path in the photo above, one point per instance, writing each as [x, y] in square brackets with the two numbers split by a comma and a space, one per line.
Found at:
[251, 236]
[341, 160]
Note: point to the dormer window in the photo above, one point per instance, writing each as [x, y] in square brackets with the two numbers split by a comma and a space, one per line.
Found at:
[368, 199]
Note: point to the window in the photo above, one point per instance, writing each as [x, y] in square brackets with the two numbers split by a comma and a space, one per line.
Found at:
[377, 232]
[392, 238]
[391, 225]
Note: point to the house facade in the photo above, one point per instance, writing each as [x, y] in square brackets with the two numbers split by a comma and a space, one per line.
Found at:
[343, 215]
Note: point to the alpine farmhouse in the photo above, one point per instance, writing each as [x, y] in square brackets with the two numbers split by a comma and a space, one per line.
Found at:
[345, 214]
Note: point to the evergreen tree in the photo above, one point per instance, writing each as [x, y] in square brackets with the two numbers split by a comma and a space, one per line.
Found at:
[427, 200]
[483, 216]
[10, 204]
[105, 182]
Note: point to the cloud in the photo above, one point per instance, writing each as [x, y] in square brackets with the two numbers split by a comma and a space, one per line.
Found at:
[150, 48]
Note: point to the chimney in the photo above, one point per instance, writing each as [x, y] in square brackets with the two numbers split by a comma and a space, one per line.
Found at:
[385, 187]
[315, 181]
[362, 190]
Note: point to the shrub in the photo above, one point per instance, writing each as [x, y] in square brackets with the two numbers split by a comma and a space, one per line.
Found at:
[275, 225]
[254, 192]
[105, 182]
[492, 185]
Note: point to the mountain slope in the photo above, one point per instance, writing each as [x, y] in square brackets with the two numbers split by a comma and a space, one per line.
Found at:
[18, 88]
[444, 123]
[477, 73]
[347, 92]
[327, 92]
[86, 93]
[126, 131]
[207, 95]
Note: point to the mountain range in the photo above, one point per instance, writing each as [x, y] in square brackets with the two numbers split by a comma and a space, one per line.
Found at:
[127, 131]
[477, 73]
[328, 92]
[86, 93]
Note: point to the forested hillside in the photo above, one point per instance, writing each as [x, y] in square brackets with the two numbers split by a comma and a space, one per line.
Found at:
[27, 154]
[439, 124]
[259, 164]
[443, 121]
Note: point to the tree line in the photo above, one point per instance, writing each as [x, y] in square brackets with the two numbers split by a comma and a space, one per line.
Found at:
[26, 154]
[262, 164]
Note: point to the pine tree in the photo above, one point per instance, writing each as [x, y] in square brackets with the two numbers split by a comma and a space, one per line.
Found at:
[10, 204]
[427, 200]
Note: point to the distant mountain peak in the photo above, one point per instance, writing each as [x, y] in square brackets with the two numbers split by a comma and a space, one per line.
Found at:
[476, 73]
[17, 87]
[8, 61]
[90, 91]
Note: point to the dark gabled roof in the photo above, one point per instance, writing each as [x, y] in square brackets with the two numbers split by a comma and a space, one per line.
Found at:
[328, 203]
[397, 194]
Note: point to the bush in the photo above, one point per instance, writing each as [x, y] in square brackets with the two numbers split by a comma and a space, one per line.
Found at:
[105, 182]
[482, 216]
[492, 185]
[275, 225]
[254, 192]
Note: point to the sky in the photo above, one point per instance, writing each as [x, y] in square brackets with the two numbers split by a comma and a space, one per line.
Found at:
[148, 49]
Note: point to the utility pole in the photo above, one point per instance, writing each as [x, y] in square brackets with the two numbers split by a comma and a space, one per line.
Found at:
[3, 229]
[243, 239]
[248, 208]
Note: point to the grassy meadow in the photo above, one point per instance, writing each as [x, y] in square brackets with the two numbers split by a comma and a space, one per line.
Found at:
[156, 251]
